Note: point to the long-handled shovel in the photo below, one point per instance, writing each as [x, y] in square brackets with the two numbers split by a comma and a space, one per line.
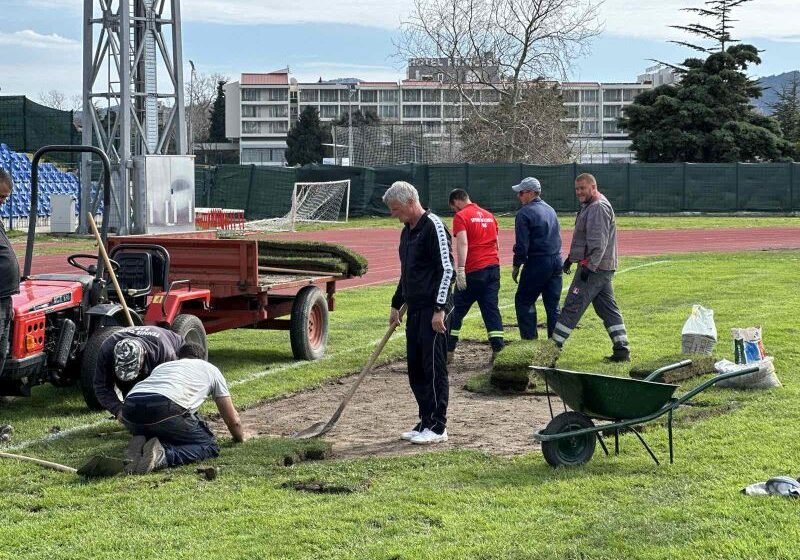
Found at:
[323, 427]
[110, 270]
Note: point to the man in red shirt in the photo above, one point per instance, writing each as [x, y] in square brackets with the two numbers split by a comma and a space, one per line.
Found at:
[477, 269]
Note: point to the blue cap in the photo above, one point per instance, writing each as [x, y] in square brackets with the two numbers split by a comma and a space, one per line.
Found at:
[528, 184]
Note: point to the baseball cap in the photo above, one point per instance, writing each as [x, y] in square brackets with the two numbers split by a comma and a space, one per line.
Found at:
[528, 184]
[128, 359]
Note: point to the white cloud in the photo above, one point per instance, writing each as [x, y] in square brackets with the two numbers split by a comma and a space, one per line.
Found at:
[767, 19]
[31, 39]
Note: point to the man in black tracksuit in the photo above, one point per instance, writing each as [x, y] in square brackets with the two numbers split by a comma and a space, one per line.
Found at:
[128, 356]
[426, 273]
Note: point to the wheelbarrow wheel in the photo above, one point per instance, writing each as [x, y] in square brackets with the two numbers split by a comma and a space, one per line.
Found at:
[569, 451]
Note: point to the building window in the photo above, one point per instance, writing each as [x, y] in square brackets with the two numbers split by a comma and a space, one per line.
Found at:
[309, 95]
[432, 111]
[263, 155]
[452, 111]
[570, 95]
[571, 127]
[278, 94]
[387, 111]
[411, 95]
[328, 111]
[433, 127]
[249, 94]
[452, 96]
[329, 96]
[388, 96]
[630, 94]
[490, 96]
[589, 111]
[572, 111]
[589, 96]
[432, 95]
[369, 96]
[610, 127]
[248, 110]
[367, 109]
[250, 127]
[412, 111]
[589, 127]
[343, 111]
[611, 111]
[612, 95]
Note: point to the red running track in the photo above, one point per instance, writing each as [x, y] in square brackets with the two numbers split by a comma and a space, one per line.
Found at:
[379, 246]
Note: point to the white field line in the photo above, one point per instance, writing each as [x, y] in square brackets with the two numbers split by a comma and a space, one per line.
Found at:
[269, 371]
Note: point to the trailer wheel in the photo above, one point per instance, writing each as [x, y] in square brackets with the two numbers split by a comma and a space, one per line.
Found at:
[191, 328]
[308, 325]
[569, 451]
[89, 364]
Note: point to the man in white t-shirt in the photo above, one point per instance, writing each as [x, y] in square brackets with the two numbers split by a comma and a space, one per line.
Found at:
[161, 413]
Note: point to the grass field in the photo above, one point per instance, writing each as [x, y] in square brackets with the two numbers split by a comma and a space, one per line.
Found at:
[452, 504]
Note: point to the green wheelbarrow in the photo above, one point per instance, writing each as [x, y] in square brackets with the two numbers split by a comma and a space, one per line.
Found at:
[571, 437]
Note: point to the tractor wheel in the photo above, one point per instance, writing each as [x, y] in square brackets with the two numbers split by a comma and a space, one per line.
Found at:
[91, 354]
[569, 451]
[191, 328]
[308, 325]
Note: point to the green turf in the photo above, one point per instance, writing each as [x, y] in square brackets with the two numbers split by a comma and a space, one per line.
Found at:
[454, 504]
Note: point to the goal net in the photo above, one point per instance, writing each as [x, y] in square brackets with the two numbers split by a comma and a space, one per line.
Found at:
[321, 202]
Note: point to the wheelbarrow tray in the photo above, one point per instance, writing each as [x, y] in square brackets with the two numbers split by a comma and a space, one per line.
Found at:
[608, 397]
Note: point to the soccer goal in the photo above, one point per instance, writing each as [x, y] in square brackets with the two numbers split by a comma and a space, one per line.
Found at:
[321, 202]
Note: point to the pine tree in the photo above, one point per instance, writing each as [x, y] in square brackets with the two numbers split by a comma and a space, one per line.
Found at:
[786, 110]
[719, 33]
[216, 130]
[305, 139]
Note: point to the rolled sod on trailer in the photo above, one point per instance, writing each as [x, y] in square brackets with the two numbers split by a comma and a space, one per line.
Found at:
[701, 365]
[311, 255]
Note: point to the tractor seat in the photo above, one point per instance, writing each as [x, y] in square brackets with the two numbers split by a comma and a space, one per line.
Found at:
[86, 280]
[135, 275]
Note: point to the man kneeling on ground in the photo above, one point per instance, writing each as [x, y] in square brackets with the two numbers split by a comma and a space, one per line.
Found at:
[161, 413]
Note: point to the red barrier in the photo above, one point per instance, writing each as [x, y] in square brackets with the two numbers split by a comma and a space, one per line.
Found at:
[219, 218]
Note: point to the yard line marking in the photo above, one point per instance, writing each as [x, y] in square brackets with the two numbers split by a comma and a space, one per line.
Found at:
[56, 436]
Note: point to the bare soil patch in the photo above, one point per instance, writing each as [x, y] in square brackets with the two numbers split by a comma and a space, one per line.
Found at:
[383, 407]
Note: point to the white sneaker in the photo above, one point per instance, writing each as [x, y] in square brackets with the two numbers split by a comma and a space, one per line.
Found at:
[410, 434]
[429, 436]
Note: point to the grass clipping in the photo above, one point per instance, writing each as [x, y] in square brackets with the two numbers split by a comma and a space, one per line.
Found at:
[701, 365]
[314, 256]
[511, 371]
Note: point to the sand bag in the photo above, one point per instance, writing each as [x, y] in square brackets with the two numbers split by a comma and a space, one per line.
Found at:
[699, 334]
[747, 345]
[764, 378]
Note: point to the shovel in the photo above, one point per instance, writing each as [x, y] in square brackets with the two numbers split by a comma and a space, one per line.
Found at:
[320, 428]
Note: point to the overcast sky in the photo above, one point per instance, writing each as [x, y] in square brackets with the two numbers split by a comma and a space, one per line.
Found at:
[41, 39]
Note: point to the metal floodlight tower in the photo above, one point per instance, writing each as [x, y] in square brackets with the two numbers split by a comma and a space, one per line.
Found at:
[127, 46]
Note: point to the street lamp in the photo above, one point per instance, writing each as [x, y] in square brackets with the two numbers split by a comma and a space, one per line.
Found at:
[191, 109]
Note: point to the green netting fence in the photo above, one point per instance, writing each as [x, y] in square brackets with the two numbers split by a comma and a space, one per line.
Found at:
[26, 126]
[265, 192]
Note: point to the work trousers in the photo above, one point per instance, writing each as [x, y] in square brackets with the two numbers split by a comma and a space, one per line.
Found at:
[183, 434]
[540, 276]
[426, 352]
[598, 291]
[483, 287]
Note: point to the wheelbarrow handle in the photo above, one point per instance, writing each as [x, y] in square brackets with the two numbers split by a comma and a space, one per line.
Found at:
[662, 370]
[708, 383]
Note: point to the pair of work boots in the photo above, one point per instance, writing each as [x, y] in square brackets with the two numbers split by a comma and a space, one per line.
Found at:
[144, 455]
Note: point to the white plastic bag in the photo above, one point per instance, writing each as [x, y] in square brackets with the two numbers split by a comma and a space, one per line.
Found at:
[764, 378]
[701, 321]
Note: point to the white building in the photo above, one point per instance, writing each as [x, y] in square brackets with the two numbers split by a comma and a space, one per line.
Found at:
[261, 107]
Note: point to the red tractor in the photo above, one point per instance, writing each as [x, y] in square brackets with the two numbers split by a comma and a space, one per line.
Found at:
[191, 283]
[60, 320]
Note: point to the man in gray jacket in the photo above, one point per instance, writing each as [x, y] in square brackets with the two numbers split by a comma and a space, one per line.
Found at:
[594, 249]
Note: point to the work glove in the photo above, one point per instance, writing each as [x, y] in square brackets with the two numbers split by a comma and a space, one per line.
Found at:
[515, 273]
[585, 273]
[567, 268]
[461, 278]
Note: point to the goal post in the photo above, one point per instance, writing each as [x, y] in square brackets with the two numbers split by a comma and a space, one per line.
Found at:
[312, 202]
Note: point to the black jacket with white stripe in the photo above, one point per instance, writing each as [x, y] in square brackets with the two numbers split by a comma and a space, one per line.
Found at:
[426, 265]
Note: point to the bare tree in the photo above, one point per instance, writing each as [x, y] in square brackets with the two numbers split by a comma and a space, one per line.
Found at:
[200, 94]
[509, 46]
[59, 100]
[532, 132]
